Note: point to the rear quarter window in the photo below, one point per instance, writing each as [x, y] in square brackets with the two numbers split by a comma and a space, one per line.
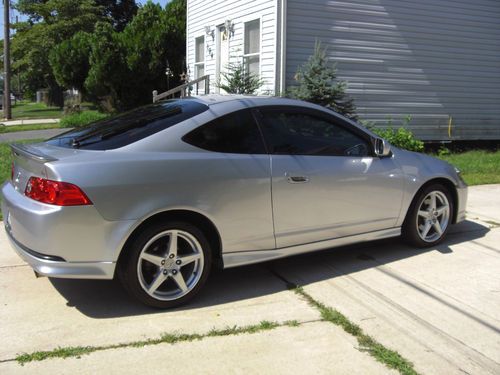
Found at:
[235, 133]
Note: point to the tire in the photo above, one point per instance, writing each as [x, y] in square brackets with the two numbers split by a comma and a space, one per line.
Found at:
[426, 225]
[163, 273]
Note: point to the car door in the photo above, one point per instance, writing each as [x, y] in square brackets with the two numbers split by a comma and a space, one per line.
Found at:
[326, 182]
[232, 180]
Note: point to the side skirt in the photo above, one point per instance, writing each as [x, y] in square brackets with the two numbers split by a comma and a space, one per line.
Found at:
[231, 260]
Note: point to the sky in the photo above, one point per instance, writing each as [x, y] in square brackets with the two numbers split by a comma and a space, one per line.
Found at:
[14, 13]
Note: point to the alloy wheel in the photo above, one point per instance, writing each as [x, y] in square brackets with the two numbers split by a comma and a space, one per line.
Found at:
[433, 216]
[170, 265]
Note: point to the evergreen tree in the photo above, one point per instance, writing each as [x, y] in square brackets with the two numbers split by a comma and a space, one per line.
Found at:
[69, 61]
[120, 12]
[49, 23]
[237, 80]
[118, 70]
[317, 83]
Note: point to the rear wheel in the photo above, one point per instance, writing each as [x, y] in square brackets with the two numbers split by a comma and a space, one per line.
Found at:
[166, 265]
[429, 217]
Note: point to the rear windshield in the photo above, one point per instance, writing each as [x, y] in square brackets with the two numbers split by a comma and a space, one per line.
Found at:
[129, 127]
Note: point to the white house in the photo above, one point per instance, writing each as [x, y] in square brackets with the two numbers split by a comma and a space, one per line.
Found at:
[438, 61]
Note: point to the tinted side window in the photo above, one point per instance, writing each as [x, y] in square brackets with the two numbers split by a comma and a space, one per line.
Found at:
[235, 133]
[305, 134]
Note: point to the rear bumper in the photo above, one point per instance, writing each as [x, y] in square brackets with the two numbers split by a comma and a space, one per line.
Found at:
[66, 242]
[45, 266]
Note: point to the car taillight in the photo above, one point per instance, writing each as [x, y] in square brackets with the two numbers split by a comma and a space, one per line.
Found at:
[55, 192]
[12, 171]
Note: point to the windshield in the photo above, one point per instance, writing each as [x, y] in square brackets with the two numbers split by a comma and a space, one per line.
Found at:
[129, 127]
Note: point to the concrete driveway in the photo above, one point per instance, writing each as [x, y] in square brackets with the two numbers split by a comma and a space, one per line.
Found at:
[439, 308]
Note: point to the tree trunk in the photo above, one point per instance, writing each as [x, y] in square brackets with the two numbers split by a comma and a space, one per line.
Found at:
[56, 96]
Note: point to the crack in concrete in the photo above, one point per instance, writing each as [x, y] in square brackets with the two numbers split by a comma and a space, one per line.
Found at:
[182, 337]
[14, 266]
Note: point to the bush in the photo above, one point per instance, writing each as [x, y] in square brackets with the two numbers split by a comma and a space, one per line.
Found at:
[401, 138]
[75, 120]
[443, 151]
[237, 80]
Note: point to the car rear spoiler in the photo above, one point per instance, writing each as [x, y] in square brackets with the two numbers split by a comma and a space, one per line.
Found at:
[30, 153]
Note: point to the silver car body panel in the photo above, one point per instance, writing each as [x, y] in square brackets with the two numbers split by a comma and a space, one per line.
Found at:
[418, 169]
[250, 257]
[258, 214]
[328, 203]
[63, 269]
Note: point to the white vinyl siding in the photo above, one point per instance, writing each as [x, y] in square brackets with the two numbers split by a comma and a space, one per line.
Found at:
[207, 14]
[429, 59]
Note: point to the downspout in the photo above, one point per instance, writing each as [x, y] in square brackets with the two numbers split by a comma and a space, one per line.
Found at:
[283, 48]
[187, 38]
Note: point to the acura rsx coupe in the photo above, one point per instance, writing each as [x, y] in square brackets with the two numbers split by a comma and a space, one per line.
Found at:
[159, 195]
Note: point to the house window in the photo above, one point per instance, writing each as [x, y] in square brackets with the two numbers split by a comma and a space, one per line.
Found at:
[251, 56]
[199, 60]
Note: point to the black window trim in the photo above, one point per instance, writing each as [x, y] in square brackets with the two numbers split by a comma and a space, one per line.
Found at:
[315, 113]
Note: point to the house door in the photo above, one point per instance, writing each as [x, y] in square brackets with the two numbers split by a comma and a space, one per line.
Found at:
[222, 53]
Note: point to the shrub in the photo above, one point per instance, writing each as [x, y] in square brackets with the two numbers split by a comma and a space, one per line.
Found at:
[78, 119]
[400, 137]
[237, 80]
[443, 151]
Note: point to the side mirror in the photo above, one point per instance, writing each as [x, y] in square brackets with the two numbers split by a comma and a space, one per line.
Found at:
[382, 148]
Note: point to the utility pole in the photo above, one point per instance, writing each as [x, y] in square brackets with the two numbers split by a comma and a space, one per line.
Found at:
[7, 113]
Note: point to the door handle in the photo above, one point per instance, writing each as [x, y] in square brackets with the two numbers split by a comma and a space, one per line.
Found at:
[297, 179]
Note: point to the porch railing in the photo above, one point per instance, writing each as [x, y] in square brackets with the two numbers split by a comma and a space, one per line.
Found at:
[185, 89]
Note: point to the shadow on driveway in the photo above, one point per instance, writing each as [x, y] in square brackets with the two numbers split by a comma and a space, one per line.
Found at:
[106, 299]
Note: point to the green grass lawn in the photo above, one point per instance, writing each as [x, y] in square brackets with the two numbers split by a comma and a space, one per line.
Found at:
[478, 167]
[30, 110]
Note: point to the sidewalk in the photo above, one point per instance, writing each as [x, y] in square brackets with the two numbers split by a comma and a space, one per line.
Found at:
[30, 121]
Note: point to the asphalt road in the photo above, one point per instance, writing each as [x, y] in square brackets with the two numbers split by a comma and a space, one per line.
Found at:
[30, 134]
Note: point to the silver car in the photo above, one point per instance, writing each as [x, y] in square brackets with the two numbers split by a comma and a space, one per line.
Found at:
[159, 195]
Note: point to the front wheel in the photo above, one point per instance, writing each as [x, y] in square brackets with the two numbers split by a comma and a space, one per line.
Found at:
[429, 217]
[166, 265]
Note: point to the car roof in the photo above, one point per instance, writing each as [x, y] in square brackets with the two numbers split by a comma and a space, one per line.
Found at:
[249, 100]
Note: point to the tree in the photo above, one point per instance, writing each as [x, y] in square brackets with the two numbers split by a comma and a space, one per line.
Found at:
[69, 61]
[120, 67]
[317, 83]
[108, 74]
[237, 80]
[127, 66]
[146, 42]
[120, 12]
[50, 22]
